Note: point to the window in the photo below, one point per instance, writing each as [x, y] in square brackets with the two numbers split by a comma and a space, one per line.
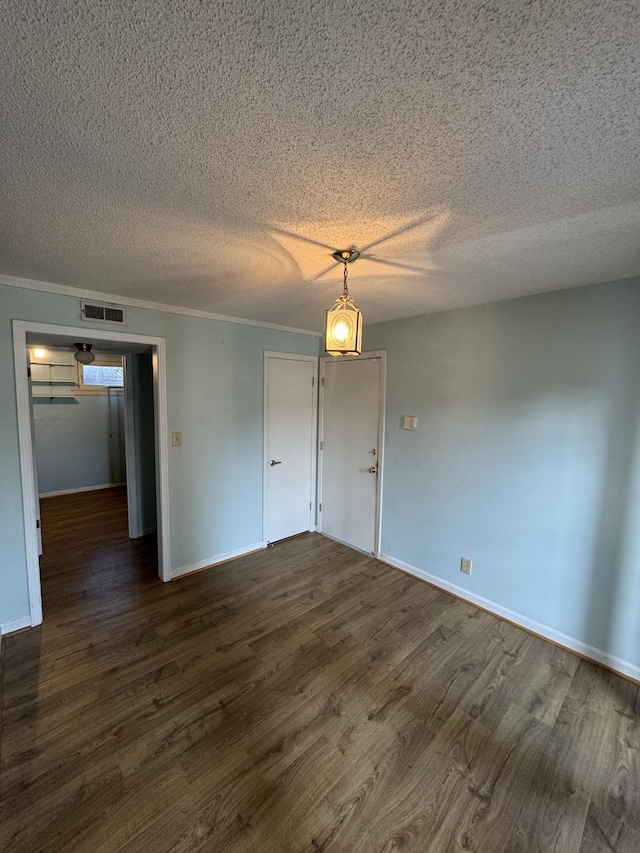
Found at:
[106, 372]
[102, 374]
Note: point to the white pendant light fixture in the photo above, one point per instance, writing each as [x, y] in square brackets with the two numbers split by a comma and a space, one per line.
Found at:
[343, 332]
[83, 354]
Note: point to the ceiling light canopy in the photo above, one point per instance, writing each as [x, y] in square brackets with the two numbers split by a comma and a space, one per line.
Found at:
[346, 256]
[83, 354]
[343, 332]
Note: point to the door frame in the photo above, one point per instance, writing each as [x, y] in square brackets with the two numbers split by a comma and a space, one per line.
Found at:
[313, 512]
[136, 530]
[329, 359]
[21, 328]
[129, 452]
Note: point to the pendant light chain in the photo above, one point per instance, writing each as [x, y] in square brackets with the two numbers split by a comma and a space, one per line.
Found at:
[345, 289]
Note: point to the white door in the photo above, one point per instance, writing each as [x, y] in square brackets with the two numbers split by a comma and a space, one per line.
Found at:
[290, 437]
[351, 442]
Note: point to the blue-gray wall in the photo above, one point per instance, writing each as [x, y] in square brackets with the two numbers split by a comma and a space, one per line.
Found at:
[215, 397]
[72, 442]
[526, 458]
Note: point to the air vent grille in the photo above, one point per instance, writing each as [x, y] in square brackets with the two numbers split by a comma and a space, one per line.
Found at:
[114, 315]
[93, 312]
[104, 313]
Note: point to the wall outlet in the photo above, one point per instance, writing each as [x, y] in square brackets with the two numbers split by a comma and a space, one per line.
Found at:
[465, 566]
[176, 439]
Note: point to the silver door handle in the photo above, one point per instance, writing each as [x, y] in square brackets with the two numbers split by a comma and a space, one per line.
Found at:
[273, 462]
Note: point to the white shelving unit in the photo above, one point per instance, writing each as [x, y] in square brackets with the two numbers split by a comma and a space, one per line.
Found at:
[53, 379]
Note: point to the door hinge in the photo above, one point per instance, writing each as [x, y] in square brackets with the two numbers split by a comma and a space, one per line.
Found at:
[37, 524]
[310, 505]
[319, 507]
[313, 381]
[322, 381]
[322, 445]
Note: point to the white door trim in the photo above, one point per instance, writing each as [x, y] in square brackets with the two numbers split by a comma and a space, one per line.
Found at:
[314, 436]
[382, 355]
[20, 330]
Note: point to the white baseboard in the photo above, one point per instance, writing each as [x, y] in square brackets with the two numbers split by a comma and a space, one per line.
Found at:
[571, 643]
[15, 625]
[215, 561]
[83, 489]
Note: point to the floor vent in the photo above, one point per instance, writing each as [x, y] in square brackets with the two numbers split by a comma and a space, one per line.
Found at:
[104, 313]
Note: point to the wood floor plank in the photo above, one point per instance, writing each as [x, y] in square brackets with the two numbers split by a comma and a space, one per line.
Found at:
[396, 804]
[303, 698]
[605, 833]
[617, 785]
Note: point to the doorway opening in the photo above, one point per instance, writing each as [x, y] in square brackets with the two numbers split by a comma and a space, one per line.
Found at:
[92, 441]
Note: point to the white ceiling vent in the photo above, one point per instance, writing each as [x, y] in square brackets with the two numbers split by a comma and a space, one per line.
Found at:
[103, 312]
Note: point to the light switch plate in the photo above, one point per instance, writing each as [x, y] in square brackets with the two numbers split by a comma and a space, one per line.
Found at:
[409, 422]
[176, 439]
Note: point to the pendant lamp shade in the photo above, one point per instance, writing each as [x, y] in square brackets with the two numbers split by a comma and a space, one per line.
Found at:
[344, 328]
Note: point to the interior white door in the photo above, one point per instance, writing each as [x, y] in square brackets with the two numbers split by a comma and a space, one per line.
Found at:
[289, 446]
[350, 454]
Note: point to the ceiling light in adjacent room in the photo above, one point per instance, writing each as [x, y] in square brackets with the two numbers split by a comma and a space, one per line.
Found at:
[84, 354]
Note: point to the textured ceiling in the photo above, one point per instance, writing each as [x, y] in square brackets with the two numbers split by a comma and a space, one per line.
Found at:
[187, 152]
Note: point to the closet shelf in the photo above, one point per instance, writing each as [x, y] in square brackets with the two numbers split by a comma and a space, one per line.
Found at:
[52, 382]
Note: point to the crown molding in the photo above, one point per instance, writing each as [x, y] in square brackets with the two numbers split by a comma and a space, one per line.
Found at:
[80, 293]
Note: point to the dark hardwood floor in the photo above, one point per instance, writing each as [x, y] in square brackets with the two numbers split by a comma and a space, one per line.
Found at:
[305, 698]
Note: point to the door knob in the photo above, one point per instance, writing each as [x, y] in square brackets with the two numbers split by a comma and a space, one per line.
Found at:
[273, 462]
[372, 451]
[373, 469]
